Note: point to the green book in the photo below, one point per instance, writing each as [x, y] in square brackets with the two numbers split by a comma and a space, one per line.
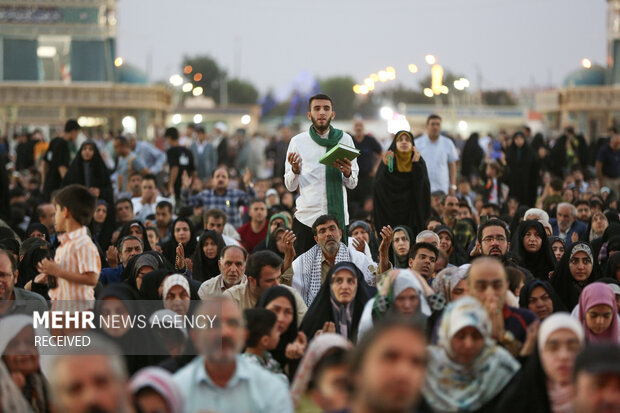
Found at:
[339, 151]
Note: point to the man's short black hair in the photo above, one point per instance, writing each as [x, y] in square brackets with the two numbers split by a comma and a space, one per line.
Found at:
[261, 259]
[122, 140]
[129, 238]
[164, 204]
[259, 322]
[257, 200]
[423, 245]
[172, 133]
[218, 168]
[493, 223]
[122, 201]
[150, 177]
[491, 205]
[228, 247]
[556, 184]
[431, 117]
[319, 96]
[79, 202]
[11, 258]
[324, 219]
[582, 202]
[464, 204]
[214, 213]
[72, 125]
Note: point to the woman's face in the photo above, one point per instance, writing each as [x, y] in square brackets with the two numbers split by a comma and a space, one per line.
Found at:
[280, 243]
[568, 196]
[403, 143]
[540, 303]
[519, 141]
[407, 302]
[445, 242]
[209, 248]
[87, 153]
[599, 318]
[599, 223]
[344, 286]
[461, 289]
[114, 308]
[153, 238]
[182, 232]
[100, 214]
[558, 250]
[532, 241]
[466, 345]
[283, 309]
[360, 234]
[580, 266]
[152, 402]
[278, 222]
[177, 299]
[401, 243]
[37, 234]
[141, 273]
[136, 231]
[21, 355]
[558, 355]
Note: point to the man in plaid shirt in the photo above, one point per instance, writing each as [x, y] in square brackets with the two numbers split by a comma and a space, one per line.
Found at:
[221, 197]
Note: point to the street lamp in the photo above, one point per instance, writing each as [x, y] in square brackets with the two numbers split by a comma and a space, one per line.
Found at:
[430, 59]
[428, 92]
[176, 118]
[246, 119]
[197, 91]
[413, 68]
[586, 63]
[176, 80]
[118, 62]
[386, 113]
[187, 87]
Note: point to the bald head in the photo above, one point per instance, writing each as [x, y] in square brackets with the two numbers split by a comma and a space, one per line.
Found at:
[488, 282]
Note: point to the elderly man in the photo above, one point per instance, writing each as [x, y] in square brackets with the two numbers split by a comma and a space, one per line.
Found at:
[566, 226]
[429, 237]
[221, 380]
[232, 266]
[310, 269]
[513, 328]
[597, 379]
[15, 300]
[129, 247]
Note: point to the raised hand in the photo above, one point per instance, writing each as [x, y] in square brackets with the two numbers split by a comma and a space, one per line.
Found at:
[359, 245]
[111, 255]
[295, 160]
[297, 348]
[344, 165]
[386, 157]
[386, 239]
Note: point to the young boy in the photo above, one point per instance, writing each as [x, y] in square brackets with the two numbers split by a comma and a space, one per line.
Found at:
[76, 266]
[263, 336]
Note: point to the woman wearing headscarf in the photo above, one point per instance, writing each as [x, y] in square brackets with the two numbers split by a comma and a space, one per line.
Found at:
[557, 246]
[89, 169]
[206, 256]
[576, 269]
[467, 370]
[103, 224]
[137, 344]
[456, 255]
[401, 245]
[534, 251]
[182, 244]
[472, 156]
[598, 313]
[599, 245]
[276, 243]
[320, 348]
[276, 221]
[142, 264]
[523, 171]
[539, 297]
[360, 231]
[450, 284]
[176, 294]
[21, 358]
[545, 384]
[291, 346]
[153, 284]
[28, 271]
[38, 230]
[136, 228]
[340, 300]
[401, 193]
[399, 292]
[596, 228]
[155, 380]
[612, 268]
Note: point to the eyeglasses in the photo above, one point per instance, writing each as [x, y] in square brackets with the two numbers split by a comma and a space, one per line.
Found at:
[490, 238]
[576, 260]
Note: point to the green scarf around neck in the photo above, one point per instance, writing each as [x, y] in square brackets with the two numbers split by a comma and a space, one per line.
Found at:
[333, 183]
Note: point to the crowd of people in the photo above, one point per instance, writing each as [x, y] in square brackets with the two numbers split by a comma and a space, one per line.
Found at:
[430, 275]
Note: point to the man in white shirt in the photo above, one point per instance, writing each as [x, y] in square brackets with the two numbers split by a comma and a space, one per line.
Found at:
[317, 183]
[440, 152]
[232, 266]
[145, 205]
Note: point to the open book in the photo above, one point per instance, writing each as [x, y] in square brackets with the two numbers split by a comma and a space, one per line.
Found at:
[339, 151]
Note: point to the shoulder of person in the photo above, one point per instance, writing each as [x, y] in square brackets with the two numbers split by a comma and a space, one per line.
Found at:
[523, 313]
[21, 294]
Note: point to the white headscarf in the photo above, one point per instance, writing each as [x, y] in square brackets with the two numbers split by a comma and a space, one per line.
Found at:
[162, 382]
[175, 279]
[555, 322]
[405, 279]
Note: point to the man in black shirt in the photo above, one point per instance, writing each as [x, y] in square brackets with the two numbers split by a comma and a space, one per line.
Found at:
[370, 155]
[180, 159]
[57, 158]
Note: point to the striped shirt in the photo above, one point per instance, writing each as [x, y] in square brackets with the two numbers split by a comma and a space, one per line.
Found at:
[77, 253]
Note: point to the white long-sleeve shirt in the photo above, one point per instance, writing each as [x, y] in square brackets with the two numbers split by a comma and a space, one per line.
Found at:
[312, 201]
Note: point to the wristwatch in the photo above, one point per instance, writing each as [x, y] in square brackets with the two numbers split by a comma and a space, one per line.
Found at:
[453, 187]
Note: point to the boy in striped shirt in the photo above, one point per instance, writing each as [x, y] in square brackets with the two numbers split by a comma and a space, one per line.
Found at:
[76, 265]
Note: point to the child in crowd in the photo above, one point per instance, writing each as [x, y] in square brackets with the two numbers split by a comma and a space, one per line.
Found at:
[263, 336]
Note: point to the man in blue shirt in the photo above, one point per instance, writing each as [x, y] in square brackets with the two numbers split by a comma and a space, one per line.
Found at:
[221, 380]
[129, 246]
[566, 225]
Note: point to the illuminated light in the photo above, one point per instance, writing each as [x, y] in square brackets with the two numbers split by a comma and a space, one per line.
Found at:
[46, 51]
[187, 87]
[430, 59]
[356, 89]
[398, 123]
[364, 89]
[176, 118]
[464, 82]
[437, 79]
[374, 77]
[463, 125]
[197, 77]
[369, 83]
[118, 62]
[129, 124]
[197, 91]
[428, 92]
[391, 75]
[176, 80]
[458, 85]
[413, 68]
[372, 87]
[444, 89]
[587, 63]
[246, 119]
[89, 121]
[187, 69]
[197, 118]
[383, 76]
[386, 112]
[390, 69]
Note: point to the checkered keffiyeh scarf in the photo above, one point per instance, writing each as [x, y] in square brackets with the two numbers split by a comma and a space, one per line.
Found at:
[311, 270]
